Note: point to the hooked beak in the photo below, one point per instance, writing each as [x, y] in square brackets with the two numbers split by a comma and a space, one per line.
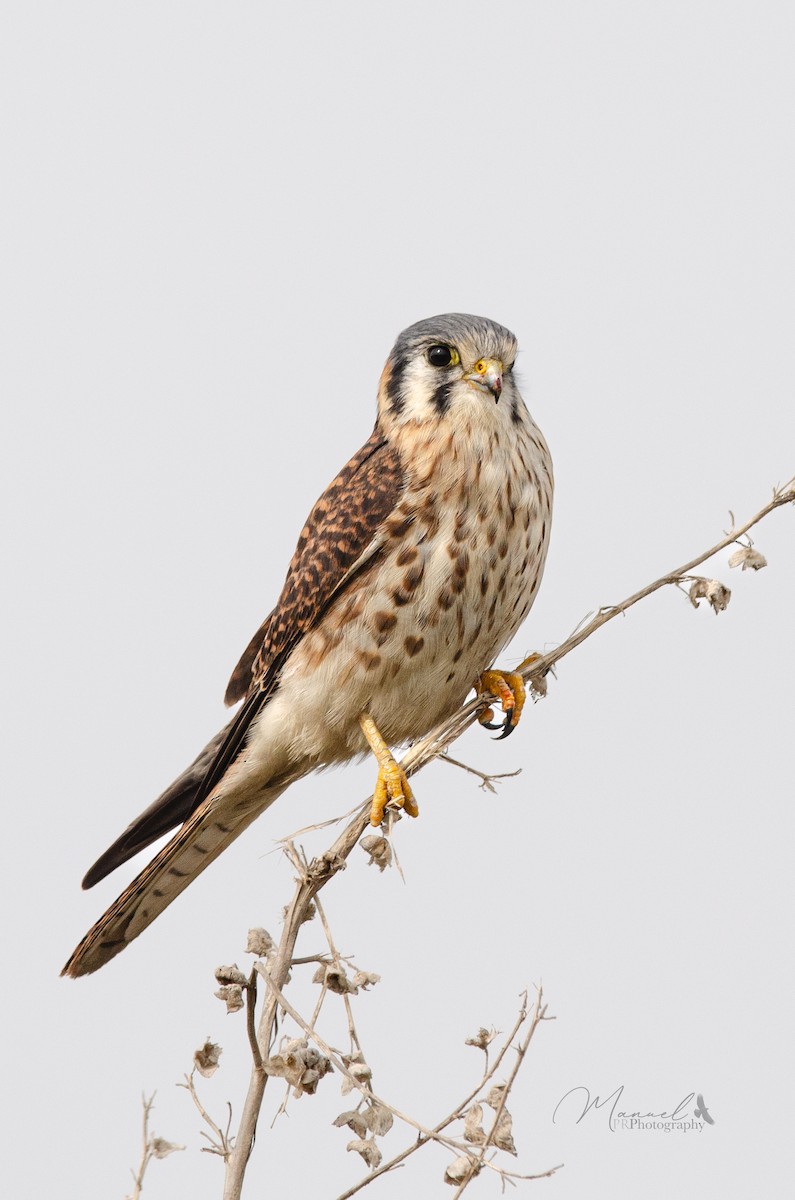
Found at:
[487, 374]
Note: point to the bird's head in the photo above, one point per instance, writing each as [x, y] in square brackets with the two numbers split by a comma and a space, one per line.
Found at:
[447, 365]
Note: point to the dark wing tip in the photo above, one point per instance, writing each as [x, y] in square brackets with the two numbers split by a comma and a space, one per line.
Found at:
[143, 831]
[123, 848]
[100, 869]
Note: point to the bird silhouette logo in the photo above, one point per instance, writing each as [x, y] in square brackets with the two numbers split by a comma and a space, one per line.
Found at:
[702, 1111]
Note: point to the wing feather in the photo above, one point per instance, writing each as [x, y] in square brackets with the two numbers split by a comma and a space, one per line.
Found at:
[339, 537]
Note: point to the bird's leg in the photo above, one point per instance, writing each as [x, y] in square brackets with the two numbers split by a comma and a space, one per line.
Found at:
[392, 786]
[509, 688]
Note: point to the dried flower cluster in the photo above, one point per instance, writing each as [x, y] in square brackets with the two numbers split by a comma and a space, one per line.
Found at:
[300, 1064]
[335, 978]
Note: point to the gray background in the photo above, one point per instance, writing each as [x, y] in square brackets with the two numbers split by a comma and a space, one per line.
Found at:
[217, 218]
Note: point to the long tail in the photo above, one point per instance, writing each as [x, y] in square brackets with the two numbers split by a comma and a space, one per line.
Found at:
[214, 825]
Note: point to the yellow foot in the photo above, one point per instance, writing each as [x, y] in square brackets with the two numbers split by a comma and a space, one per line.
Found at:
[509, 688]
[392, 791]
[392, 786]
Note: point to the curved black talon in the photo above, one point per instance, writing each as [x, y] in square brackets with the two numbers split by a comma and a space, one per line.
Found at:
[507, 727]
[504, 725]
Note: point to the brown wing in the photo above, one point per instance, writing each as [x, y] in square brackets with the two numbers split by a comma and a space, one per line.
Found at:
[339, 536]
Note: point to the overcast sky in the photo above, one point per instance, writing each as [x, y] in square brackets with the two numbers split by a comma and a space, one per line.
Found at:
[217, 218]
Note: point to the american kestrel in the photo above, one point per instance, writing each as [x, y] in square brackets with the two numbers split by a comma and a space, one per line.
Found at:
[414, 569]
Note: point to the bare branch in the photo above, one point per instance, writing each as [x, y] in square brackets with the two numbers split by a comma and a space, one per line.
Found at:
[354, 1037]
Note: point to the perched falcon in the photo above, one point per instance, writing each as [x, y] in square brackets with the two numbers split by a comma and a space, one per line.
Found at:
[414, 569]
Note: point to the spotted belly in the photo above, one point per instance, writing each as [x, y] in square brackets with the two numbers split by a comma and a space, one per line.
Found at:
[408, 642]
[467, 607]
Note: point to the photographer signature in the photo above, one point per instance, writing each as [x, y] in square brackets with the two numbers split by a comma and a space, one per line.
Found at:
[578, 1099]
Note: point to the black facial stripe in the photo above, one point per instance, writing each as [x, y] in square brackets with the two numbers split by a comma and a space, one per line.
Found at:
[394, 388]
[441, 397]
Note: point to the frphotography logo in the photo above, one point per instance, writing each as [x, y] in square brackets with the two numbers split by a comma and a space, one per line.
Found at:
[685, 1117]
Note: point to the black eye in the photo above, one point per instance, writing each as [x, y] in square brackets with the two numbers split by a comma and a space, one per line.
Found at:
[440, 356]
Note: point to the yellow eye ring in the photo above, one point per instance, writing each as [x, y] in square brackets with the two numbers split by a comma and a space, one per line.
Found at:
[481, 367]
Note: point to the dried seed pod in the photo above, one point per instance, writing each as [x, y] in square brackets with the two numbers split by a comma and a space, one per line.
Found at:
[232, 996]
[379, 1119]
[368, 1148]
[205, 1059]
[355, 1121]
[483, 1038]
[379, 850]
[748, 558]
[259, 942]
[460, 1169]
[473, 1126]
[231, 974]
[713, 591]
[161, 1148]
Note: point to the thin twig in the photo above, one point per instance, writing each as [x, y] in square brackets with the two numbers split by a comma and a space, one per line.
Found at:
[221, 1144]
[146, 1150]
[251, 1028]
[318, 1006]
[486, 779]
[290, 837]
[352, 1034]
